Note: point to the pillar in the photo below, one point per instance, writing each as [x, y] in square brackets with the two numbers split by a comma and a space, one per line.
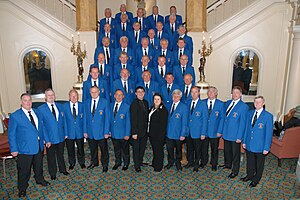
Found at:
[146, 4]
[86, 15]
[196, 15]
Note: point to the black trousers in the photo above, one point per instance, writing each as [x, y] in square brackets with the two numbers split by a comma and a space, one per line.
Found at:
[121, 149]
[232, 155]
[94, 151]
[193, 148]
[24, 164]
[171, 144]
[255, 165]
[56, 152]
[139, 147]
[214, 144]
[71, 150]
[157, 145]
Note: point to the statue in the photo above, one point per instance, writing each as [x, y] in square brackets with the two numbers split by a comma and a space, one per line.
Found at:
[201, 70]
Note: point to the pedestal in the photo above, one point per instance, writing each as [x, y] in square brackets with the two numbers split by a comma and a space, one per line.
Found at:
[203, 89]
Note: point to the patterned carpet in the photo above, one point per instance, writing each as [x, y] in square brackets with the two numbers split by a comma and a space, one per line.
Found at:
[277, 183]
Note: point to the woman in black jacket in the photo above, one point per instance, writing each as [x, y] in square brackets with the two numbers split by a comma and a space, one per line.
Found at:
[157, 127]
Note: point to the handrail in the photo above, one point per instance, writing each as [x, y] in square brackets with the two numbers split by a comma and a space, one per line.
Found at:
[214, 5]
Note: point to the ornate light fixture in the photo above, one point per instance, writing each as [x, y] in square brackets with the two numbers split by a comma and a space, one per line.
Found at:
[204, 52]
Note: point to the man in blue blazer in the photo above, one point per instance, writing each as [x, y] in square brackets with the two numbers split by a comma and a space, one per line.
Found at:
[53, 120]
[95, 81]
[152, 40]
[96, 127]
[135, 36]
[180, 50]
[233, 130]
[124, 48]
[197, 124]
[73, 117]
[120, 130]
[167, 90]
[160, 33]
[145, 25]
[176, 130]
[107, 50]
[123, 27]
[179, 71]
[155, 17]
[173, 11]
[150, 87]
[171, 28]
[126, 85]
[105, 70]
[124, 64]
[107, 20]
[161, 70]
[124, 11]
[164, 51]
[187, 88]
[114, 43]
[257, 140]
[181, 33]
[26, 141]
[146, 65]
[215, 123]
[144, 50]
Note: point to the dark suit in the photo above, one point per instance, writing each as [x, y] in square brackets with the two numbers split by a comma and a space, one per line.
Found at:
[157, 132]
[74, 133]
[139, 123]
[28, 141]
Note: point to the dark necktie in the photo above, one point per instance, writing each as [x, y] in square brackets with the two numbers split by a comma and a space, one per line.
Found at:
[123, 28]
[107, 21]
[147, 88]
[95, 83]
[228, 111]
[173, 108]
[169, 89]
[155, 19]
[74, 111]
[123, 50]
[53, 111]
[152, 43]
[100, 70]
[180, 53]
[94, 108]
[186, 91]
[145, 52]
[144, 68]
[125, 87]
[210, 107]
[107, 55]
[31, 119]
[162, 72]
[140, 21]
[254, 119]
[164, 53]
[173, 28]
[136, 37]
[193, 107]
[159, 36]
[123, 66]
[116, 109]
[183, 71]
[107, 35]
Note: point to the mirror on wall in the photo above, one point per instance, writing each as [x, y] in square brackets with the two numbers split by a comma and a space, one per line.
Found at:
[37, 71]
[245, 71]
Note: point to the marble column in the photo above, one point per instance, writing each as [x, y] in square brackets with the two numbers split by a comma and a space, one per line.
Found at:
[292, 97]
[196, 15]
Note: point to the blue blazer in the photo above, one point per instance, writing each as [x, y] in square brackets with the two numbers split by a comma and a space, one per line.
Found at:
[259, 137]
[235, 123]
[108, 74]
[156, 44]
[197, 121]
[167, 98]
[120, 125]
[129, 67]
[102, 85]
[23, 136]
[215, 119]
[169, 58]
[184, 99]
[98, 125]
[152, 22]
[103, 22]
[139, 54]
[172, 36]
[128, 97]
[158, 78]
[153, 88]
[145, 24]
[129, 14]
[188, 43]
[119, 31]
[130, 54]
[114, 43]
[177, 122]
[54, 130]
[178, 19]
[101, 50]
[73, 127]
[139, 73]
[186, 52]
[133, 44]
[178, 76]
[164, 35]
